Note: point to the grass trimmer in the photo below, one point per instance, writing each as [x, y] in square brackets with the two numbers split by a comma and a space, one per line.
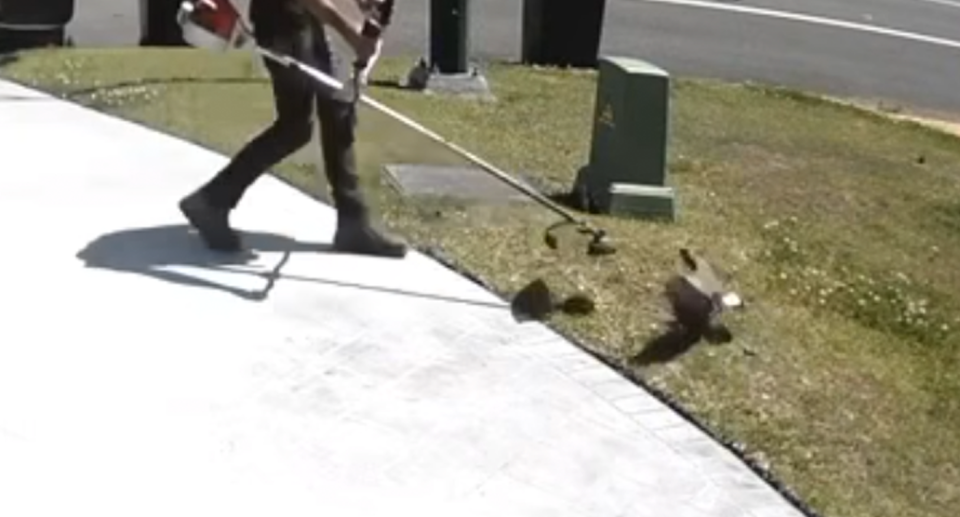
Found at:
[218, 26]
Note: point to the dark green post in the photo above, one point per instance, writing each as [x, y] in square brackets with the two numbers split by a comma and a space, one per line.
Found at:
[449, 36]
[627, 173]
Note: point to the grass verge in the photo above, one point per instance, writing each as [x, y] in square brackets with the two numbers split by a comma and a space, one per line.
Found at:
[840, 225]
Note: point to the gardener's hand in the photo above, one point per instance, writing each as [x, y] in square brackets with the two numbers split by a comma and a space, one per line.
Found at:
[364, 39]
[368, 47]
[367, 54]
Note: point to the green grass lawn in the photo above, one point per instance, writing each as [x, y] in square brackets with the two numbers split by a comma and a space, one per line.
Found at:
[841, 227]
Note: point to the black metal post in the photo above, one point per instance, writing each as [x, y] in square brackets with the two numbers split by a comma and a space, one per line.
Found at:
[562, 32]
[449, 36]
[27, 24]
[158, 24]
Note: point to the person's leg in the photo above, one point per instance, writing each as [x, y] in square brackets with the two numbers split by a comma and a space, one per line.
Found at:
[208, 208]
[338, 121]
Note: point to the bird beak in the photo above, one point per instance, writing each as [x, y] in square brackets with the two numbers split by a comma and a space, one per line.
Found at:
[731, 301]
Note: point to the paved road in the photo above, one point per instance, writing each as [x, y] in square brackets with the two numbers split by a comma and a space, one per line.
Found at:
[704, 42]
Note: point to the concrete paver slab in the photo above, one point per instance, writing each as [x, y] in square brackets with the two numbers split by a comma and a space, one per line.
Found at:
[142, 375]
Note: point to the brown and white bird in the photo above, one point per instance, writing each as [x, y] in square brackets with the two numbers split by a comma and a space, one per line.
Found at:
[698, 296]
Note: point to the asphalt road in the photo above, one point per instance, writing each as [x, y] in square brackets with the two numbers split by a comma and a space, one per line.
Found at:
[696, 41]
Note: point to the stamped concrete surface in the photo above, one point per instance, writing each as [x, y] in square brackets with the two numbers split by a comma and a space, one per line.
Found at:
[142, 376]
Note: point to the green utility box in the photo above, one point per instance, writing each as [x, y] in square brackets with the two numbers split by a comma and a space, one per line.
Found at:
[627, 172]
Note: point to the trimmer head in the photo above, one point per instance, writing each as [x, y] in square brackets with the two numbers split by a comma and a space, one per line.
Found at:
[599, 245]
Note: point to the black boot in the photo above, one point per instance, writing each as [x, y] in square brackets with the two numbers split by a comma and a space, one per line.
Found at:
[211, 222]
[357, 236]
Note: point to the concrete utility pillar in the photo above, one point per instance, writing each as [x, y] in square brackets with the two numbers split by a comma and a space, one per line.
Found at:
[627, 172]
[449, 36]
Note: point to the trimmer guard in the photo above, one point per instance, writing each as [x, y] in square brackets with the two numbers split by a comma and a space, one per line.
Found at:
[214, 25]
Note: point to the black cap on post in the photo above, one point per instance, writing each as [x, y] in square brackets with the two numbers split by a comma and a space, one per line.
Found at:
[449, 36]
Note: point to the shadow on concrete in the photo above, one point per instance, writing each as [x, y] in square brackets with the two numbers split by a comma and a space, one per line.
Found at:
[148, 251]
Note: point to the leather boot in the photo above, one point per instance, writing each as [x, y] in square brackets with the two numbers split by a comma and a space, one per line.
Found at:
[356, 235]
[211, 222]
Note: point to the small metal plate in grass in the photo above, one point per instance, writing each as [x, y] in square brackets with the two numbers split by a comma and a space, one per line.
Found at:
[448, 181]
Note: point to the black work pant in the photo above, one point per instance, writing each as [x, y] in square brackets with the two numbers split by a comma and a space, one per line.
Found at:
[296, 96]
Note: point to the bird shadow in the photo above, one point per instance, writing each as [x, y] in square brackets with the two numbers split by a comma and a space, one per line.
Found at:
[677, 341]
[149, 251]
